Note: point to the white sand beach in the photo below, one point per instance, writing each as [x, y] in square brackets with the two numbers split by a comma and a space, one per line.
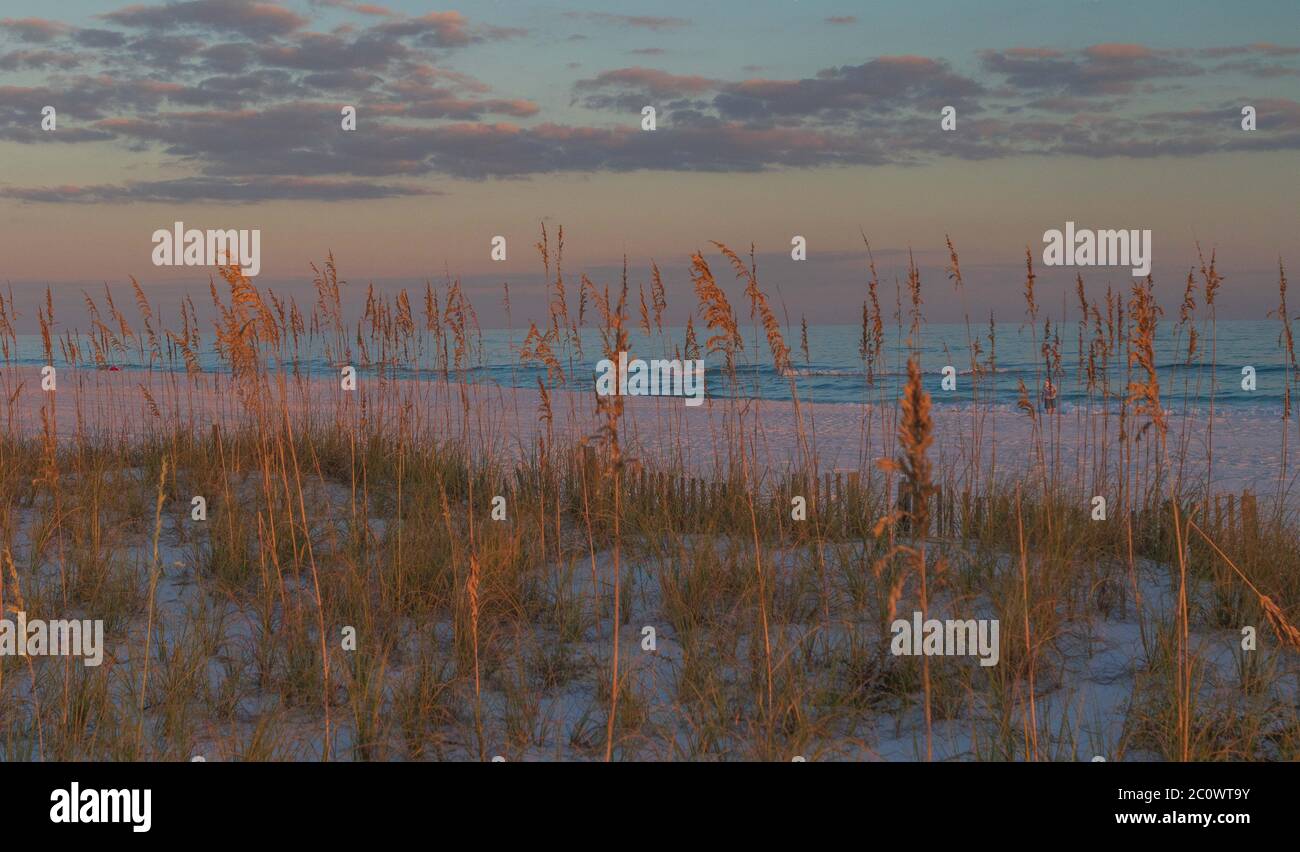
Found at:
[1248, 448]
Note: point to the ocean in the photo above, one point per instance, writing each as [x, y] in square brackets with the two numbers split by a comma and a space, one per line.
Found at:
[833, 371]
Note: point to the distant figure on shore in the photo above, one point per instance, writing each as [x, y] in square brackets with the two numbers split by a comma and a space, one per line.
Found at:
[1049, 395]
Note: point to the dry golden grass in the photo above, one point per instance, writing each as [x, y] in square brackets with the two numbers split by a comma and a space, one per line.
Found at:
[477, 637]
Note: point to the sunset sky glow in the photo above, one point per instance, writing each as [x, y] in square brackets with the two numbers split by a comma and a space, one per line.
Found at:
[774, 119]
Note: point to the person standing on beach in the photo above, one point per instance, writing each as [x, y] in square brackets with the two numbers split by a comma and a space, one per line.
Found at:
[1049, 395]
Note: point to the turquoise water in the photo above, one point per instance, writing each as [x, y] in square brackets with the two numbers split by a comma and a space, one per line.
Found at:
[834, 371]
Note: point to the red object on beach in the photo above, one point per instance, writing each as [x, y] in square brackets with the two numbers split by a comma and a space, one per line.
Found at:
[115, 369]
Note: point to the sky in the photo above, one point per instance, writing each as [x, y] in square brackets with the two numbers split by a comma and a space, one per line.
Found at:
[773, 119]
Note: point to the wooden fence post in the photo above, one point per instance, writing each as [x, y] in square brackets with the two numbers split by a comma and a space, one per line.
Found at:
[1249, 517]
